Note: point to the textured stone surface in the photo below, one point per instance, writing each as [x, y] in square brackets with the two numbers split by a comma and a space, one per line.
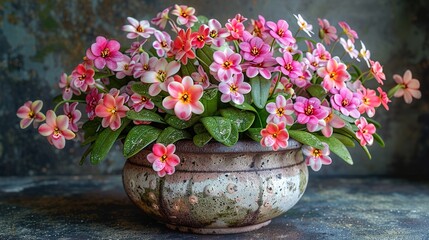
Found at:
[98, 208]
[41, 39]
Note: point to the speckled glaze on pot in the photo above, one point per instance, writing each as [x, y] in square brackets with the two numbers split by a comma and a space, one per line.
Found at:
[218, 189]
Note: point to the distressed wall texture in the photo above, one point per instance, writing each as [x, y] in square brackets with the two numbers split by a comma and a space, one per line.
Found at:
[41, 39]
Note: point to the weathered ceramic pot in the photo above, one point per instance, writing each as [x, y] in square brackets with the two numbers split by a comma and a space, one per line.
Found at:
[218, 189]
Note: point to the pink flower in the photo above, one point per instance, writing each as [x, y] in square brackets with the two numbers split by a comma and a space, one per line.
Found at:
[30, 112]
[184, 98]
[311, 61]
[264, 68]
[409, 87]
[334, 75]
[288, 66]
[161, 18]
[159, 77]
[162, 43]
[73, 115]
[303, 25]
[111, 108]
[136, 47]
[316, 157]
[258, 27]
[105, 52]
[234, 89]
[217, 33]
[254, 50]
[370, 101]
[144, 65]
[384, 99]
[280, 32]
[236, 29]
[138, 28]
[275, 136]
[92, 100]
[327, 32]
[310, 112]
[56, 129]
[185, 15]
[350, 48]
[377, 71]
[82, 77]
[346, 102]
[351, 34]
[225, 64]
[68, 88]
[126, 66]
[201, 77]
[332, 121]
[303, 78]
[365, 132]
[182, 47]
[139, 102]
[322, 54]
[163, 159]
[200, 38]
[280, 111]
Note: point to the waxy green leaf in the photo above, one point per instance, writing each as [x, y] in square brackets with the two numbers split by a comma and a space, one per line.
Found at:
[145, 115]
[138, 138]
[306, 138]
[260, 91]
[242, 119]
[337, 147]
[172, 135]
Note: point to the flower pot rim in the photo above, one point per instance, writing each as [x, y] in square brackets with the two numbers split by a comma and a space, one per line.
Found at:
[242, 146]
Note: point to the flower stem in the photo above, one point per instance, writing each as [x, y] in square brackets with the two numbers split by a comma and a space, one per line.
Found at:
[66, 101]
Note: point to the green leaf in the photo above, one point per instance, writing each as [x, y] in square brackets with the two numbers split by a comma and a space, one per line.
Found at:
[175, 122]
[317, 91]
[209, 101]
[233, 137]
[145, 115]
[337, 147]
[260, 91]
[85, 154]
[172, 135]
[365, 149]
[243, 119]
[105, 141]
[306, 138]
[345, 118]
[346, 140]
[90, 128]
[357, 69]
[99, 75]
[138, 138]
[218, 127]
[202, 139]
[244, 106]
[254, 134]
[378, 139]
[199, 128]
[141, 88]
[376, 124]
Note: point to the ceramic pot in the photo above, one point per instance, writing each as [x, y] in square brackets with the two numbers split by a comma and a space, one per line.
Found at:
[218, 189]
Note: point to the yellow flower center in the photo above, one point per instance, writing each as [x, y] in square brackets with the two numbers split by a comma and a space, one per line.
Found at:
[82, 77]
[161, 75]
[163, 44]
[345, 102]
[185, 98]
[57, 132]
[255, 51]
[308, 110]
[113, 111]
[213, 33]
[139, 29]
[329, 118]
[280, 112]
[317, 153]
[233, 88]
[146, 67]
[126, 67]
[31, 114]
[288, 67]
[332, 76]
[105, 52]
[227, 64]
[280, 32]
[163, 158]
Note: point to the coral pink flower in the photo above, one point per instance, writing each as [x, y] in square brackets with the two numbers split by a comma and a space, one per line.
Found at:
[225, 64]
[234, 89]
[264, 68]
[161, 18]
[280, 32]
[185, 15]
[350, 48]
[200, 38]
[82, 77]
[30, 112]
[255, 50]
[370, 101]
[201, 77]
[138, 28]
[409, 87]
[310, 112]
[236, 29]
[303, 78]
[351, 34]
[239, 18]
[217, 33]
[316, 157]
[280, 111]
[162, 43]
[275, 136]
[184, 98]
[145, 64]
[332, 121]
[105, 52]
[139, 102]
[321, 54]
[288, 66]
[327, 32]
[182, 47]
[56, 129]
[159, 77]
[92, 100]
[334, 75]
[346, 102]
[68, 88]
[73, 114]
[377, 71]
[303, 25]
[365, 131]
[111, 108]
[384, 99]
[163, 159]
[258, 27]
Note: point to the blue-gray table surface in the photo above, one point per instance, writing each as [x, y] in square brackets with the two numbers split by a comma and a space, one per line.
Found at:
[97, 208]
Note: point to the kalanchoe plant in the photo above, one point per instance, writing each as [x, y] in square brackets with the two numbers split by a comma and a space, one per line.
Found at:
[204, 81]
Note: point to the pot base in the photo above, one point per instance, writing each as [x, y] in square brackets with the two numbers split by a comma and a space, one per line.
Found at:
[227, 230]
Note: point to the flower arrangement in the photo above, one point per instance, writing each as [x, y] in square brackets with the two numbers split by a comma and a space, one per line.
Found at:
[205, 81]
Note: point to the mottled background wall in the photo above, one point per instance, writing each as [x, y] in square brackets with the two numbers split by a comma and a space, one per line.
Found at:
[41, 39]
